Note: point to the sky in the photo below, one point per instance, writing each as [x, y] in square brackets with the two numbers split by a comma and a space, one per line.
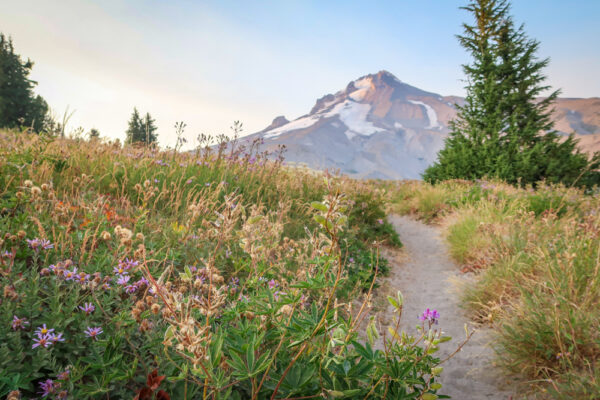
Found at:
[209, 63]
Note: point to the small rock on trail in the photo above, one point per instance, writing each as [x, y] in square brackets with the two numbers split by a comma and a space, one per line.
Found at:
[427, 280]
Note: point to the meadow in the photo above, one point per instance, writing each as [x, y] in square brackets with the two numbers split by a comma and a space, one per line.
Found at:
[134, 272]
[536, 255]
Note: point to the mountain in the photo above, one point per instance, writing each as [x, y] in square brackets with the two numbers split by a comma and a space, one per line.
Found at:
[380, 127]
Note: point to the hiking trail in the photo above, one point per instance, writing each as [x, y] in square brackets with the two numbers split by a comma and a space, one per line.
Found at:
[428, 278]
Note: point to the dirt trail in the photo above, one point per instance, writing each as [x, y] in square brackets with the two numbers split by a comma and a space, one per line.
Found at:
[427, 279]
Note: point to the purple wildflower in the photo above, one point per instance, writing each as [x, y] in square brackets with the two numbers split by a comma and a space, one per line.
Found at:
[93, 332]
[129, 263]
[129, 289]
[43, 330]
[380, 221]
[188, 181]
[88, 308]
[70, 275]
[207, 184]
[56, 337]
[431, 316]
[123, 279]
[19, 323]
[272, 284]
[39, 244]
[64, 376]
[83, 277]
[142, 282]
[48, 387]
[41, 341]
[351, 259]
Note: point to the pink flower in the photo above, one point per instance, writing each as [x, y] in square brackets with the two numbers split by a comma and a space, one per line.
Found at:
[19, 323]
[93, 332]
[88, 308]
[41, 341]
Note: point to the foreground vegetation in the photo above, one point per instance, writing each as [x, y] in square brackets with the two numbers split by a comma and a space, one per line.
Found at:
[216, 274]
[537, 257]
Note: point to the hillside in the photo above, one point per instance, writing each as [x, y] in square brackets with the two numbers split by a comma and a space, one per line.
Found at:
[380, 127]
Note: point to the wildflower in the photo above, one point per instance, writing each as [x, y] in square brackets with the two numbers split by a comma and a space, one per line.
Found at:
[28, 183]
[272, 284]
[41, 341]
[207, 184]
[48, 387]
[39, 244]
[64, 376]
[56, 337]
[106, 286]
[380, 221]
[129, 289]
[188, 181]
[142, 282]
[70, 275]
[351, 259]
[83, 277]
[235, 281]
[430, 315]
[93, 332]
[120, 270]
[88, 308]
[19, 323]
[43, 330]
[126, 265]
[123, 279]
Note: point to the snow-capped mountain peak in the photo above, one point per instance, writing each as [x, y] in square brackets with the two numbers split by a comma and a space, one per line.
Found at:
[376, 127]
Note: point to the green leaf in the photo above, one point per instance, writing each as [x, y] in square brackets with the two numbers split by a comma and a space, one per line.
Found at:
[319, 206]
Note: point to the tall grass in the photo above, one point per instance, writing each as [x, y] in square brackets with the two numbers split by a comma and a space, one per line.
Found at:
[138, 273]
[536, 254]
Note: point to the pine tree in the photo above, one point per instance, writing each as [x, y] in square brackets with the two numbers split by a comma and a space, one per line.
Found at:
[149, 129]
[19, 106]
[141, 130]
[503, 130]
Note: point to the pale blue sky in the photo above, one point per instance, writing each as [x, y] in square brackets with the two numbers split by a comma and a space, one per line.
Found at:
[211, 62]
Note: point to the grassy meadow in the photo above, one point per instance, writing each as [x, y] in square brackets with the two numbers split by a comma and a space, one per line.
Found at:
[536, 253]
[138, 273]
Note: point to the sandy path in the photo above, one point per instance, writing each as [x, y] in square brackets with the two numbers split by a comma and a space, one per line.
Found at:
[427, 278]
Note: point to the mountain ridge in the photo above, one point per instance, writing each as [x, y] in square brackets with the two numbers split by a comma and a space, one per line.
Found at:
[381, 127]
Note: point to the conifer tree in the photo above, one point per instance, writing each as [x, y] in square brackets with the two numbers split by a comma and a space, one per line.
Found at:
[504, 130]
[141, 130]
[19, 106]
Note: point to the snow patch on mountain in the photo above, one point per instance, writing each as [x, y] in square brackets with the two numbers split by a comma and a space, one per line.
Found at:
[354, 116]
[431, 114]
[350, 113]
[300, 123]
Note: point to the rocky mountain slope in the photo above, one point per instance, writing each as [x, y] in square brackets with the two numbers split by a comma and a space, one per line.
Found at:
[380, 127]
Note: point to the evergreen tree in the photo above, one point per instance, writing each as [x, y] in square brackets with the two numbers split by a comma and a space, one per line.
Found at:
[149, 129]
[503, 130]
[141, 130]
[19, 106]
